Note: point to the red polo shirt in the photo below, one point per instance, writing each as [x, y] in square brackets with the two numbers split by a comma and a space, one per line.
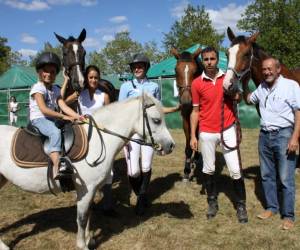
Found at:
[208, 95]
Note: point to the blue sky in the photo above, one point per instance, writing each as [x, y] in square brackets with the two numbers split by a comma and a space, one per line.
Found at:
[29, 24]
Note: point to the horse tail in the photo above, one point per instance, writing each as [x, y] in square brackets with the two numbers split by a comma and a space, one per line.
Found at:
[3, 181]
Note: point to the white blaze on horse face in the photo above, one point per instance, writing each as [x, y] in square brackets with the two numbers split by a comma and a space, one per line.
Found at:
[186, 70]
[79, 73]
[232, 54]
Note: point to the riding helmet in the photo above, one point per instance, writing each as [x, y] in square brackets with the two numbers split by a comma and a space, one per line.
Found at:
[140, 58]
[48, 58]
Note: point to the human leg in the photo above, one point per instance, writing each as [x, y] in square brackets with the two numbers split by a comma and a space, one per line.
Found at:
[234, 166]
[268, 171]
[208, 142]
[48, 128]
[286, 171]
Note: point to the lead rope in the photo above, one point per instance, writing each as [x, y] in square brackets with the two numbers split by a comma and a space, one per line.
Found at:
[238, 132]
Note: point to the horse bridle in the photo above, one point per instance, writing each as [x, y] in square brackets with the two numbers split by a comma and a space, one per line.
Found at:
[69, 67]
[241, 75]
[92, 123]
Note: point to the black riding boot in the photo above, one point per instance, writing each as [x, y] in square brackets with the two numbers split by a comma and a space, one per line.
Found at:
[107, 205]
[142, 199]
[212, 196]
[240, 192]
[135, 183]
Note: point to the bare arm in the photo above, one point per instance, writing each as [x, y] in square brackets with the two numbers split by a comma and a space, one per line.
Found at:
[194, 119]
[168, 110]
[64, 85]
[43, 107]
[67, 110]
[246, 93]
[106, 99]
[72, 98]
[293, 143]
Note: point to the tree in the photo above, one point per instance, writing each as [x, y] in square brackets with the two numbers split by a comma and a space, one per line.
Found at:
[97, 58]
[119, 52]
[47, 48]
[279, 27]
[4, 55]
[15, 58]
[151, 50]
[194, 27]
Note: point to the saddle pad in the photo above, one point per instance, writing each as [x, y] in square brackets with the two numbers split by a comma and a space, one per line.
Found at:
[27, 150]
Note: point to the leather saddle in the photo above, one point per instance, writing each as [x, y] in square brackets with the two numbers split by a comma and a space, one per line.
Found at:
[28, 145]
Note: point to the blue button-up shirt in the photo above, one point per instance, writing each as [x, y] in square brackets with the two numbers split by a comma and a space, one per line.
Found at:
[277, 105]
[136, 88]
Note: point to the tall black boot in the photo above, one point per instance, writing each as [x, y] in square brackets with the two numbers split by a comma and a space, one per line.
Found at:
[107, 205]
[135, 183]
[240, 192]
[212, 196]
[142, 199]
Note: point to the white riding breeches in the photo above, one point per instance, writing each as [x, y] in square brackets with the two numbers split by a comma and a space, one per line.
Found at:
[133, 151]
[208, 144]
[13, 118]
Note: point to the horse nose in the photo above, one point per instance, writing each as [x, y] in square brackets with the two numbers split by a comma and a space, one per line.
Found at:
[172, 146]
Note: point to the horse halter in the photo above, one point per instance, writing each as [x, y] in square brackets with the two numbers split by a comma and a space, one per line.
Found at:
[241, 75]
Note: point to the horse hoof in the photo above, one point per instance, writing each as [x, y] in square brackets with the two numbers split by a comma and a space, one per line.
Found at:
[186, 178]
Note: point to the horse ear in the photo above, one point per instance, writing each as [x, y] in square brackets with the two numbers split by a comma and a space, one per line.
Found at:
[82, 36]
[230, 34]
[60, 38]
[197, 52]
[253, 38]
[175, 53]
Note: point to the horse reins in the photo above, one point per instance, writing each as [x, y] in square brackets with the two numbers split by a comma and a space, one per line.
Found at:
[92, 124]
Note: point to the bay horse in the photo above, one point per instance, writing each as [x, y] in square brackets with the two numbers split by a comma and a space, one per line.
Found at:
[245, 59]
[88, 179]
[187, 68]
[74, 64]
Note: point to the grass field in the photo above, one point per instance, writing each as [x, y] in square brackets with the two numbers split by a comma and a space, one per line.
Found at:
[176, 219]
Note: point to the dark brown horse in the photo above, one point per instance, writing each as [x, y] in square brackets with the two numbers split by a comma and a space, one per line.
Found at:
[73, 63]
[245, 62]
[188, 67]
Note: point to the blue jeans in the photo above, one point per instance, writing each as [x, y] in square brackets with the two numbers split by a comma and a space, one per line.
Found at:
[277, 167]
[48, 128]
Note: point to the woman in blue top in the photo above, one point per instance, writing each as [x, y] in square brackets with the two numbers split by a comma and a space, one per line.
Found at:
[139, 178]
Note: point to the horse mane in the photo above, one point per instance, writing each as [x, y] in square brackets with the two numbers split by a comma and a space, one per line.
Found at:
[71, 39]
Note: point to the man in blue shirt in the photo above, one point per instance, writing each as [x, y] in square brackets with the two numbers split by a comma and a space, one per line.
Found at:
[279, 104]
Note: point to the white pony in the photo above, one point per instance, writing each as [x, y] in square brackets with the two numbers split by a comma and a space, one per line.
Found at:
[124, 118]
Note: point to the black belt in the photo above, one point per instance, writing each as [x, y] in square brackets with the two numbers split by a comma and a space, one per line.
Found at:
[274, 130]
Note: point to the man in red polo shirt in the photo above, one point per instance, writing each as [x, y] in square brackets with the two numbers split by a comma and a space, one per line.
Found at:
[207, 95]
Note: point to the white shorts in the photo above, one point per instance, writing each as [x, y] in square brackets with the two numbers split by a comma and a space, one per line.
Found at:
[208, 144]
[133, 151]
[13, 118]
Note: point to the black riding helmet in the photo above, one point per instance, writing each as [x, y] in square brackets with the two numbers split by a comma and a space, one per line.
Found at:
[48, 58]
[140, 58]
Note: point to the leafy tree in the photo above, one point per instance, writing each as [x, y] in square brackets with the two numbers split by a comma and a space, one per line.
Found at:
[153, 53]
[98, 59]
[15, 58]
[194, 27]
[47, 48]
[279, 27]
[119, 52]
[4, 55]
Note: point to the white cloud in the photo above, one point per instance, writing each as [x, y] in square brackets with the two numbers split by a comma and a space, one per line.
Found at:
[27, 52]
[37, 5]
[149, 25]
[25, 5]
[40, 21]
[178, 10]
[118, 19]
[91, 42]
[26, 38]
[226, 16]
[107, 38]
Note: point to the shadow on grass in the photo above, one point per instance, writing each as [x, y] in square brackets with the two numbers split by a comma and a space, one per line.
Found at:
[65, 218]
